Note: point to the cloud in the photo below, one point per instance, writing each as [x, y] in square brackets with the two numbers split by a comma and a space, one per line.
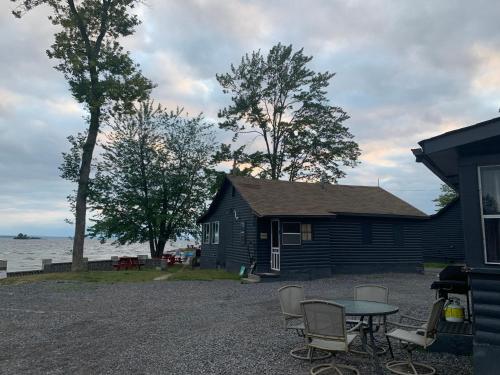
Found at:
[405, 71]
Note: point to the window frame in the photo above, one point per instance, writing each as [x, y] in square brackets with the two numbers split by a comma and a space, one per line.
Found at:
[212, 232]
[299, 233]
[302, 232]
[483, 216]
[206, 233]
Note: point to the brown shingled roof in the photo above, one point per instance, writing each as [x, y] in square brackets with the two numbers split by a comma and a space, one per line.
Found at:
[283, 198]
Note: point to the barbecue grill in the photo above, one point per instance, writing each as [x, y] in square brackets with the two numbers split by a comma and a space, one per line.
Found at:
[453, 280]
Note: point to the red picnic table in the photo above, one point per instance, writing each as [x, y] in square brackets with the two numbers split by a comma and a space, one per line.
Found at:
[126, 263]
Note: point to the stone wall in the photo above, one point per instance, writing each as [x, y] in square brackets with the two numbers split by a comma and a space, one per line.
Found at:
[93, 265]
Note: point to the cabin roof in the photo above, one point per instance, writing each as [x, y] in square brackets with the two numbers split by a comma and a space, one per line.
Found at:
[284, 198]
[441, 153]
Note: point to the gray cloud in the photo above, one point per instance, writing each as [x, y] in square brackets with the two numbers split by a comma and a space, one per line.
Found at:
[405, 71]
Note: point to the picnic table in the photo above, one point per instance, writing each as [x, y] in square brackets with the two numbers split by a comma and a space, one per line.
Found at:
[127, 263]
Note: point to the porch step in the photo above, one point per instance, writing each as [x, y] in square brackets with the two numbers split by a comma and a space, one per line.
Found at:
[251, 279]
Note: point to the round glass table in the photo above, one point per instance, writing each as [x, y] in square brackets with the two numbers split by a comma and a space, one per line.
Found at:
[368, 309]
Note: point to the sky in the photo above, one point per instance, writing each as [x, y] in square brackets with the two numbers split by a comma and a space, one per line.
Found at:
[405, 71]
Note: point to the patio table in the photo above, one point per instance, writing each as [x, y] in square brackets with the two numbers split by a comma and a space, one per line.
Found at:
[369, 309]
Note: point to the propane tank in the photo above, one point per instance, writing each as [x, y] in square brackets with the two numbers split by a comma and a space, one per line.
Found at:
[453, 311]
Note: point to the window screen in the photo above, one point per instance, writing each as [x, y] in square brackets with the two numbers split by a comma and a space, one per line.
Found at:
[206, 233]
[291, 234]
[215, 232]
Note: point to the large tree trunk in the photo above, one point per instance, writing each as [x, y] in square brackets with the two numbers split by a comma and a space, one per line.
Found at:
[82, 192]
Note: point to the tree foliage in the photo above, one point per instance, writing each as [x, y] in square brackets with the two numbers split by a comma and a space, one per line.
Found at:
[283, 103]
[101, 75]
[153, 179]
[446, 196]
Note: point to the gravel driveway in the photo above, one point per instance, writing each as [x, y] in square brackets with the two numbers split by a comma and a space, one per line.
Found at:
[217, 327]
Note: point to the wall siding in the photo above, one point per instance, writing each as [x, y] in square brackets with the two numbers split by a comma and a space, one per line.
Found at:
[338, 246]
[386, 252]
[443, 236]
[231, 252]
[485, 278]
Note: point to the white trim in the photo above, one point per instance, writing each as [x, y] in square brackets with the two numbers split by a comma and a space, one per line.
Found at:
[275, 251]
[299, 233]
[485, 255]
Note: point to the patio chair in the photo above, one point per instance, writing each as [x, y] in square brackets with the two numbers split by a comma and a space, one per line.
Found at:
[412, 336]
[372, 293]
[325, 328]
[290, 298]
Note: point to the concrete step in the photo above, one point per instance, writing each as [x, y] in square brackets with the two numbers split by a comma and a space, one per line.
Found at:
[248, 280]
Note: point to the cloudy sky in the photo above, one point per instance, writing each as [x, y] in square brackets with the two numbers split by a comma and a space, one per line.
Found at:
[405, 70]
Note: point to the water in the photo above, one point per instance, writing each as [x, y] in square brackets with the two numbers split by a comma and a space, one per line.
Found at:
[26, 255]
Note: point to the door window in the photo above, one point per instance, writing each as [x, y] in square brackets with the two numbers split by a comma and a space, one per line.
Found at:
[275, 236]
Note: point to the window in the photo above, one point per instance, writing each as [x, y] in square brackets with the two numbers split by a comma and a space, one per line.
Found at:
[366, 232]
[206, 233]
[215, 232]
[398, 234]
[291, 234]
[233, 191]
[306, 230]
[490, 210]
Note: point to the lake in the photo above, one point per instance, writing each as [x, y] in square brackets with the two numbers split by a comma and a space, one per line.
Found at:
[25, 255]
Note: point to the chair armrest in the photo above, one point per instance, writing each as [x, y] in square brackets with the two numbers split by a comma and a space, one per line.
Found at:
[408, 317]
[356, 327]
[401, 325]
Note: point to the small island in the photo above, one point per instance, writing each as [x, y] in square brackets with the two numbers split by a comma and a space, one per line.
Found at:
[22, 236]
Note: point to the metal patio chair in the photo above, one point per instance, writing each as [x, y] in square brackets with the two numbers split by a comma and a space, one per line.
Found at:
[372, 293]
[290, 297]
[413, 336]
[325, 328]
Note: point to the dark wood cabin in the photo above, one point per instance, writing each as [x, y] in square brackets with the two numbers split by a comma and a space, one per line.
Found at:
[468, 160]
[443, 235]
[306, 230]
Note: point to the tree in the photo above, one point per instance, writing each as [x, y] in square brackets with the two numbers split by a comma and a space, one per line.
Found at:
[281, 101]
[446, 196]
[101, 75]
[154, 178]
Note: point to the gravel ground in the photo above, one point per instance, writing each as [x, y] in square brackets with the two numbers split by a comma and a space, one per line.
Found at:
[218, 327]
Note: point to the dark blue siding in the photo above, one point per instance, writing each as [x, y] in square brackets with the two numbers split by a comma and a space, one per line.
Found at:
[232, 250]
[485, 278]
[311, 258]
[385, 252]
[443, 236]
[338, 245]
[264, 245]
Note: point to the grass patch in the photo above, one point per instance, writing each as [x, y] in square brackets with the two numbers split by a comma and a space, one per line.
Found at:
[204, 275]
[177, 272]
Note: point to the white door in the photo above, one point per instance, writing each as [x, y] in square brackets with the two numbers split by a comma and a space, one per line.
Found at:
[275, 245]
